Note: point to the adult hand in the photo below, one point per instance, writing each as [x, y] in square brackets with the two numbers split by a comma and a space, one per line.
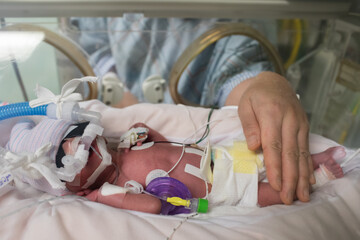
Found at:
[273, 119]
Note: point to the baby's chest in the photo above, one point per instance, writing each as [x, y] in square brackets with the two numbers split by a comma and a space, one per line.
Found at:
[180, 163]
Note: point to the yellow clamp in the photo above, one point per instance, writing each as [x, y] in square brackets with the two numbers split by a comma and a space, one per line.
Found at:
[176, 201]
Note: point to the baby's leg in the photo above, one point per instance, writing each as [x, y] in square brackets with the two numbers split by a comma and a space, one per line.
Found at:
[267, 196]
[326, 169]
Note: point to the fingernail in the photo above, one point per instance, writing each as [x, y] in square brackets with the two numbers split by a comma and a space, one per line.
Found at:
[252, 141]
[290, 196]
[306, 194]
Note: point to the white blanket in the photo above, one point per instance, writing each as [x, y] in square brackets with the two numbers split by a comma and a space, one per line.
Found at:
[332, 213]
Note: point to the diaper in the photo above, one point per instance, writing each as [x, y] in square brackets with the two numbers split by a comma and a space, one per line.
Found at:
[236, 174]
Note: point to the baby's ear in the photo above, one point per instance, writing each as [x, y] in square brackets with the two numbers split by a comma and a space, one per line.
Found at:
[153, 135]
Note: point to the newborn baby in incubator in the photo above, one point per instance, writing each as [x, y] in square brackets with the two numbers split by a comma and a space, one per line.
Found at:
[134, 173]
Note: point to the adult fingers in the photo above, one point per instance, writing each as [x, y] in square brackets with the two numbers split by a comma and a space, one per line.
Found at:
[271, 139]
[250, 125]
[290, 158]
[306, 169]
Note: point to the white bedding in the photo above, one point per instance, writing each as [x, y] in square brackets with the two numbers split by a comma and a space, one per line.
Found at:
[332, 213]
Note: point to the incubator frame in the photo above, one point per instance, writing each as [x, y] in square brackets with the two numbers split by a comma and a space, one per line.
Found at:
[211, 36]
[64, 46]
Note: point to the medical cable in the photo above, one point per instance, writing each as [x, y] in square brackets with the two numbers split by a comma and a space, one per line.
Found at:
[180, 224]
[207, 130]
[182, 154]
[205, 125]
[189, 115]
[204, 136]
[178, 161]
[96, 152]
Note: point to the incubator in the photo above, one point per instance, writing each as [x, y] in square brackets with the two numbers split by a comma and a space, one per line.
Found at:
[315, 45]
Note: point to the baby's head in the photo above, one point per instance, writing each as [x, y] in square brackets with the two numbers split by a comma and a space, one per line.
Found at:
[88, 164]
[97, 170]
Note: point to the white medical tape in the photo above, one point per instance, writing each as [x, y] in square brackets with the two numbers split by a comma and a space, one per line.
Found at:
[321, 177]
[92, 130]
[45, 96]
[190, 169]
[106, 161]
[194, 151]
[108, 189]
[134, 187]
[143, 146]
[205, 164]
[82, 155]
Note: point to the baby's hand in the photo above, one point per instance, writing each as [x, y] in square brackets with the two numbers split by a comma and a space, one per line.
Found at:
[89, 194]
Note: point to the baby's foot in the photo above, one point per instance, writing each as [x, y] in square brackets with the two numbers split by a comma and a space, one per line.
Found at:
[334, 153]
[333, 168]
[326, 167]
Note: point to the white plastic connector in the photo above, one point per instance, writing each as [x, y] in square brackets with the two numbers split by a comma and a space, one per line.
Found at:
[112, 89]
[66, 173]
[72, 112]
[72, 164]
[66, 110]
[154, 89]
[51, 111]
[81, 115]
[68, 160]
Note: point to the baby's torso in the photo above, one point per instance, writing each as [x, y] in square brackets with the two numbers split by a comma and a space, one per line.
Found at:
[138, 164]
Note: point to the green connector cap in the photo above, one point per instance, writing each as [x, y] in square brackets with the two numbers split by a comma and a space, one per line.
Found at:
[203, 205]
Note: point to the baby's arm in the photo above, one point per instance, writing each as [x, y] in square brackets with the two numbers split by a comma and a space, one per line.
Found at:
[116, 196]
[324, 161]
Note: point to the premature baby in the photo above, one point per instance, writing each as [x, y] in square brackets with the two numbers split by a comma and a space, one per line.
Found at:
[225, 173]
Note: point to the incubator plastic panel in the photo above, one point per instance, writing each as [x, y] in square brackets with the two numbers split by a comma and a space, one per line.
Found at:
[317, 46]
